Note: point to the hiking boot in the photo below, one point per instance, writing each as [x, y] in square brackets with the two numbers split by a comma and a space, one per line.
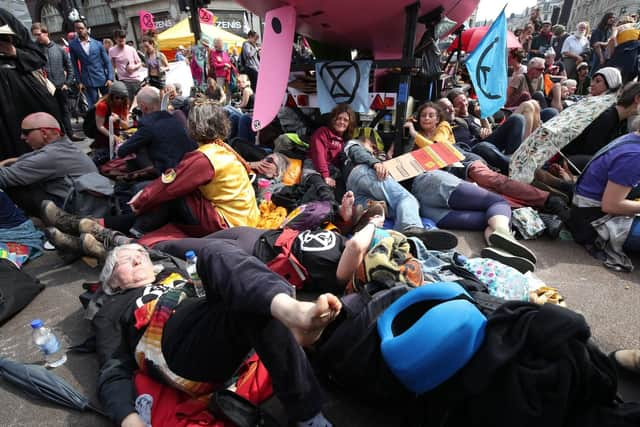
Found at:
[90, 246]
[521, 264]
[53, 216]
[434, 239]
[627, 359]
[505, 241]
[87, 225]
[63, 242]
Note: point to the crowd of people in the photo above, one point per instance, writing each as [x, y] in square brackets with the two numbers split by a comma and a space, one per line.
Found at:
[194, 176]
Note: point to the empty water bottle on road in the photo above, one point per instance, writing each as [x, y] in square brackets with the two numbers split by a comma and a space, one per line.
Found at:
[192, 260]
[48, 344]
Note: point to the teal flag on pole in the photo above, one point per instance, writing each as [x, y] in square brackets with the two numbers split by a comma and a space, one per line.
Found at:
[487, 66]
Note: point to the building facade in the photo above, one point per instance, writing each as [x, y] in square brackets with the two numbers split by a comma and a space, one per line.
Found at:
[593, 10]
[105, 16]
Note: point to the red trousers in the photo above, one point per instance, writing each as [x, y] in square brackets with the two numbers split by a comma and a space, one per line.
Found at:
[517, 193]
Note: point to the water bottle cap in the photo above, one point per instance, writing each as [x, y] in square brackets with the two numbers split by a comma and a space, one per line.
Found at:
[263, 183]
[36, 324]
[189, 254]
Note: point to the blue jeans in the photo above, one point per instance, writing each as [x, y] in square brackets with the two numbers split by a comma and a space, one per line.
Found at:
[403, 206]
[497, 148]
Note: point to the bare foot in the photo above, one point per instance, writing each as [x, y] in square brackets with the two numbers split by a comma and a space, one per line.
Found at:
[347, 206]
[306, 320]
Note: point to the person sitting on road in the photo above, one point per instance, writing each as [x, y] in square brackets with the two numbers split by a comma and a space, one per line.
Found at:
[531, 85]
[246, 93]
[492, 145]
[204, 340]
[603, 210]
[114, 105]
[160, 135]
[40, 174]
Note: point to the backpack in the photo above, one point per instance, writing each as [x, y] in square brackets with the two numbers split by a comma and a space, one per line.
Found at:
[89, 126]
[89, 195]
[309, 216]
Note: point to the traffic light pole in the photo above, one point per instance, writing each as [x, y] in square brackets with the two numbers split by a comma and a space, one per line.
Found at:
[194, 19]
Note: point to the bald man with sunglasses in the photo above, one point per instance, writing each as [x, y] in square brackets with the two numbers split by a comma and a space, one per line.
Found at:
[40, 174]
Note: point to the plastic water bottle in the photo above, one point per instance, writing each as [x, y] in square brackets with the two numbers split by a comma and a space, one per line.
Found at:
[49, 344]
[192, 261]
[386, 123]
[263, 186]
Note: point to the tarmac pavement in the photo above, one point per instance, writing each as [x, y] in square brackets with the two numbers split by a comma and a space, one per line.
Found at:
[608, 300]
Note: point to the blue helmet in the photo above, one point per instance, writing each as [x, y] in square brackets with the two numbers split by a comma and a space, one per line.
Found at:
[430, 333]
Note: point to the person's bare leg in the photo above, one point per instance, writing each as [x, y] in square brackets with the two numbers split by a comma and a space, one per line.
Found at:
[531, 112]
[556, 98]
[306, 320]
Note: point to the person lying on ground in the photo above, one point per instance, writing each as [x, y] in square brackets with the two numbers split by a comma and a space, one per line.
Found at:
[204, 340]
[40, 175]
[476, 169]
[369, 180]
[160, 137]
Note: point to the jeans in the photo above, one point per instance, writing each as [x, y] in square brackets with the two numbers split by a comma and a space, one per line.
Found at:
[497, 148]
[402, 205]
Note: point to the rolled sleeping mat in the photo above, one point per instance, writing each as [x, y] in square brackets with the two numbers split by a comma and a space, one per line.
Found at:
[430, 333]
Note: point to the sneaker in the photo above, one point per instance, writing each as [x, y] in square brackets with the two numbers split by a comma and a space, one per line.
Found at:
[507, 242]
[63, 242]
[627, 359]
[90, 246]
[434, 239]
[521, 264]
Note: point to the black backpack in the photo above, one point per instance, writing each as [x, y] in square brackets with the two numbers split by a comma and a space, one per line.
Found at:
[89, 126]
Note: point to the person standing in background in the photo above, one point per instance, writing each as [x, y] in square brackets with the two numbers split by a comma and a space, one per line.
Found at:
[59, 71]
[250, 58]
[599, 39]
[95, 72]
[127, 64]
[220, 64]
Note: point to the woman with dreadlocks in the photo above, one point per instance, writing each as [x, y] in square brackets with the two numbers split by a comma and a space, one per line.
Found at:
[208, 191]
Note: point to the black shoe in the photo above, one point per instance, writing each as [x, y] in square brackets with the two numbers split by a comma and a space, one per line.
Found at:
[553, 223]
[521, 264]
[557, 205]
[239, 411]
[76, 138]
[434, 239]
[506, 242]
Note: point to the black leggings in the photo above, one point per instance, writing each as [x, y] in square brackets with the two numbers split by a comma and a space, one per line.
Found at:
[207, 339]
[244, 238]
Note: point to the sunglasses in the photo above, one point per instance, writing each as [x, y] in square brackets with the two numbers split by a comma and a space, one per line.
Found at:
[26, 132]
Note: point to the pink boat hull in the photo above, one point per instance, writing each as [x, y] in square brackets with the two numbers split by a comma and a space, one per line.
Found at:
[377, 25]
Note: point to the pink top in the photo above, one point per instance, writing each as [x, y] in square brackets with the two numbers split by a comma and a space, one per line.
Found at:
[218, 60]
[324, 149]
[122, 57]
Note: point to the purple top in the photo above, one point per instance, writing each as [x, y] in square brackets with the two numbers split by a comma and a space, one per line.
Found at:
[619, 165]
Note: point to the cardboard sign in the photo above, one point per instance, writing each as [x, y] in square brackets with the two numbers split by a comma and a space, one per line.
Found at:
[431, 157]
[146, 21]
[206, 17]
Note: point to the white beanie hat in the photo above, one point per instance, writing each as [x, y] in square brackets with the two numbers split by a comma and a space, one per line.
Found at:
[612, 76]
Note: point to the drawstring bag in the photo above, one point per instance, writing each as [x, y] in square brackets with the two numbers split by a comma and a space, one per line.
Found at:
[528, 223]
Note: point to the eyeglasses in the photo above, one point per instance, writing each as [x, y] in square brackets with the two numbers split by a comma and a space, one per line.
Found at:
[26, 132]
[539, 69]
